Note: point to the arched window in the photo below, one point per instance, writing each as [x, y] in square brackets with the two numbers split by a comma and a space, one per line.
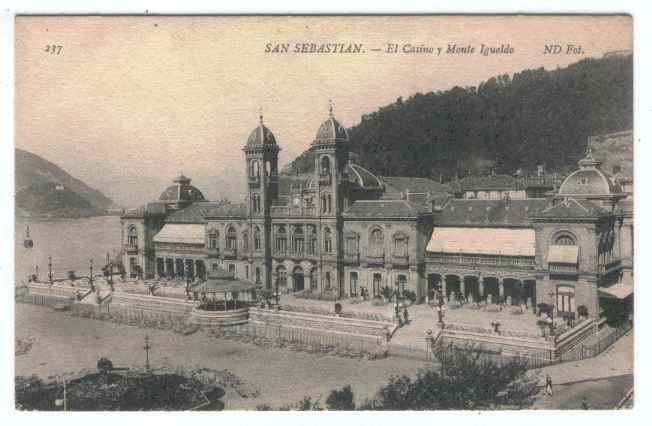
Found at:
[565, 240]
[327, 280]
[400, 245]
[401, 281]
[281, 240]
[324, 204]
[325, 165]
[257, 275]
[353, 284]
[213, 237]
[329, 207]
[231, 238]
[352, 244]
[328, 240]
[257, 242]
[312, 240]
[313, 279]
[255, 203]
[282, 276]
[298, 241]
[132, 237]
[376, 242]
[245, 240]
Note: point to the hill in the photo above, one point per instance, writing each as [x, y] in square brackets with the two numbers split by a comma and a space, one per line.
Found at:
[44, 189]
[505, 123]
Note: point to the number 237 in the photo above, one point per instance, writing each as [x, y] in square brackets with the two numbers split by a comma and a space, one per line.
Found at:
[53, 49]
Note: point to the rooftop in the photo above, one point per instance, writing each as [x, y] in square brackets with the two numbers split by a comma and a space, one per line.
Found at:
[483, 213]
[384, 209]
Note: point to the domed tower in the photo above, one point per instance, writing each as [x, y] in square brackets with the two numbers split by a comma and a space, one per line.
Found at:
[331, 153]
[181, 193]
[261, 154]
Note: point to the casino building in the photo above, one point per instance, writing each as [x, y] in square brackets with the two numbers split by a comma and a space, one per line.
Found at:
[341, 229]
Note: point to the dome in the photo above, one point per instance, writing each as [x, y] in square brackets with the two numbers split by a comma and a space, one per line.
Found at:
[589, 180]
[260, 136]
[362, 177]
[331, 130]
[181, 191]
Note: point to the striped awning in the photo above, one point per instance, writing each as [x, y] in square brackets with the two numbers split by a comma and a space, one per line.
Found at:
[621, 290]
[563, 254]
[181, 234]
[487, 241]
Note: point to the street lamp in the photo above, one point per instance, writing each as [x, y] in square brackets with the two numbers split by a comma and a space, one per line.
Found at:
[552, 305]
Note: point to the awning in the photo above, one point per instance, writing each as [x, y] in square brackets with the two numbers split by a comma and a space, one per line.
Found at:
[563, 254]
[181, 233]
[223, 286]
[489, 241]
[620, 290]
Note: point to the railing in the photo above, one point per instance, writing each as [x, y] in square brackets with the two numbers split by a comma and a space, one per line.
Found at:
[293, 211]
[400, 260]
[499, 261]
[230, 252]
[375, 258]
[352, 257]
[212, 251]
[131, 249]
[610, 266]
[563, 269]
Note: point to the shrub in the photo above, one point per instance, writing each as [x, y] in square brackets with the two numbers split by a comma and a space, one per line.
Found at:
[410, 295]
[582, 311]
[341, 399]
[104, 365]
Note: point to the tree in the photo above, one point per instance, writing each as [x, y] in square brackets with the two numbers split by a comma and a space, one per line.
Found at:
[466, 380]
[341, 399]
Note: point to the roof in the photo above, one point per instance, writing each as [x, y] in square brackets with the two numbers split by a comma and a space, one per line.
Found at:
[504, 213]
[384, 209]
[413, 184]
[181, 191]
[149, 209]
[572, 208]
[222, 282]
[487, 241]
[362, 177]
[181, 234]
[260, 136]
[501, 182]
[228, 210]
[194, 213]
[331, 130]
[620, 290]
[563, 254]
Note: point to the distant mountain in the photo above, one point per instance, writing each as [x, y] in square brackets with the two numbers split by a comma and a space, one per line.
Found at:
[43, 189]
[505, 123]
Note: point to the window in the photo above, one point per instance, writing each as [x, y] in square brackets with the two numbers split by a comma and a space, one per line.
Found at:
[353, 284]
[282, 276]
[298, 243]
[312, 241]
[213, 237]
[565, 240]
[565, 299]
[325, 165]
[245, 241]
[133, 267]
[281, 240]
[132, 237]
[377, 280]
[376, 242]
[231, 238]
[255, 169]
[257, 244]
[257, 275]
[324, 203]
[313, 279]
[255, 203]
[328, 241]
[352, 245]
[401, 245]
[327, 280]
[247, 271]
[232, 268]
[214, 267]
[329, 208]
[401, 281]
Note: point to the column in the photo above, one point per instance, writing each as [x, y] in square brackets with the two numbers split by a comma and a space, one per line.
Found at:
[443, 286]
[481, 286]
[501, 288]
[462, 287]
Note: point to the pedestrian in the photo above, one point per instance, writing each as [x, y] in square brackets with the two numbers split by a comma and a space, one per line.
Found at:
[585, 403]
[405, 315]
[548, 385]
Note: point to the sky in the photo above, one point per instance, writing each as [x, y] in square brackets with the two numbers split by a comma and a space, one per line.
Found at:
[129, 102]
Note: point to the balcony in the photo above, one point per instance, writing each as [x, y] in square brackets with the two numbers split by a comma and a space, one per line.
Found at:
[400, 260]
[560, 268]
[352, 258]
[254, 181]
[292, 211]
[482, 261]
[131, 249]
[324, 179]
[212, 252]
[375, 259]
[609, 267]
[229, 253]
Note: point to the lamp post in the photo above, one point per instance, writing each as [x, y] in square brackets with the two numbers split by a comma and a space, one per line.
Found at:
[147, 347]
[552, 305]
[50, 269]
[90, 277]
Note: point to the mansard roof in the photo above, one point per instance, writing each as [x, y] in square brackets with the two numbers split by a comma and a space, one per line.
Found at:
[572, 208]
[400, 184]
[385, 209]
[503, 213]
[194, 213]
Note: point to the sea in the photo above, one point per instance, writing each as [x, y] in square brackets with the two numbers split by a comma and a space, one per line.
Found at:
[71, 243]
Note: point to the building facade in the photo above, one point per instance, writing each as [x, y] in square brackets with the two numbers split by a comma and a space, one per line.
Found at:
[342, 231]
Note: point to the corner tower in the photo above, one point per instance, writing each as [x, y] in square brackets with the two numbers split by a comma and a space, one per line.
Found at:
[261, 154]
